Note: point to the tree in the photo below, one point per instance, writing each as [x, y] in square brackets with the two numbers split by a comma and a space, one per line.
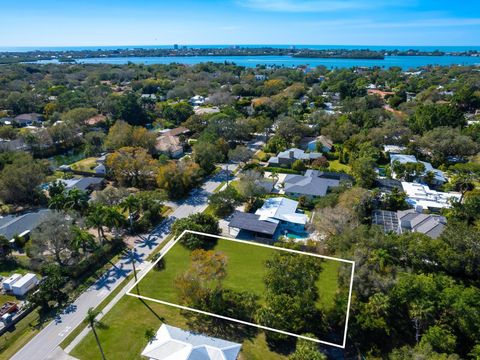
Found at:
[178, 178]
[94, 324]
[78, 116]
[82, 239]
[463, 177]
[307, 350]
[224, 202]
[176, 112]
[206, 155]
[196, 222]
[395, 200]
[50, 292]
[132, 166]
[73, 199]
[94, 143]
[20, 178]
[53, 236]
[203, 277]
[96, 219]
[290, 301]
[430, 116]
[130, 204]
[248, 186]
[408, 171]
[445, 142]
[363, 170]
[240, 154]
[440, 339]
[5, 248]
[131, 109]
[276, 144]
[298, 165]
[121, 134]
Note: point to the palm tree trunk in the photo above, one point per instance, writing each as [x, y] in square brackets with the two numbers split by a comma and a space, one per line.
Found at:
[99, 231]
[98, 341]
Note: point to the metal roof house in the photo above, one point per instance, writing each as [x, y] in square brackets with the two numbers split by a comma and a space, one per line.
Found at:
[410, 221]
[84, 183]
[171, 343]
[289, 156]
[439, 176]
[21, 225]
[312, 184]
[276, 214]
[422, 196]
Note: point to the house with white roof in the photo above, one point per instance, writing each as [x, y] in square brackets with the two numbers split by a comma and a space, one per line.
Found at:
[197, 100]
[421, 196]
[172, 343]
[439, 177]
[277, 216]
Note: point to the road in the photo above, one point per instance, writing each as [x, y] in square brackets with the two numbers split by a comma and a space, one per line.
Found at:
[54, 333]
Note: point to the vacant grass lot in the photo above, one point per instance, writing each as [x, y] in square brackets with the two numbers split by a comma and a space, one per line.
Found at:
[86, 165]
[127, 321]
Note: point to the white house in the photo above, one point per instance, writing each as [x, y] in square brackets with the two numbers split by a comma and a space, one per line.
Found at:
[419, 195]
[197, 100]
[171, 343]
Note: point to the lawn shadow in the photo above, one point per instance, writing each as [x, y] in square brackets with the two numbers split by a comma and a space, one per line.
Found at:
[217, 327]
[162, 319]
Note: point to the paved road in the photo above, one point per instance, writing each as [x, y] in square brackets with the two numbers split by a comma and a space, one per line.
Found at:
[53, 334]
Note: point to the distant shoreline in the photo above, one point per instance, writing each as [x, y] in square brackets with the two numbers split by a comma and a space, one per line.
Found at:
[66, 56]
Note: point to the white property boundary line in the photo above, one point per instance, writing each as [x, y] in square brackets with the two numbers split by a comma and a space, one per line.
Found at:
[168, 247]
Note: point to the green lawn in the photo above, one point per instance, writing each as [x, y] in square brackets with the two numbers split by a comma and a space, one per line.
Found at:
[130, 317]
[87, 164]
[335, 165]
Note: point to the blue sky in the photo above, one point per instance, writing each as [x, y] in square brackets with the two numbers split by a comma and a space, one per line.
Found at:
[157, 22]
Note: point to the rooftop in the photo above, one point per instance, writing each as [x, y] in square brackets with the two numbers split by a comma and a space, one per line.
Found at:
[252, 222]
[280, 208]
[83, 183]
[294, 154]
[18, 225]
[171, 343]
[309, 184]
[422, 195]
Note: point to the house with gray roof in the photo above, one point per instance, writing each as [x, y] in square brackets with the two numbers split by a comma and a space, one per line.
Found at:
[438, 175]
[277, 215]
[313, 184]
[288, 157]
[24, 120]
[85, 183]
[21, 225]
[410, 220]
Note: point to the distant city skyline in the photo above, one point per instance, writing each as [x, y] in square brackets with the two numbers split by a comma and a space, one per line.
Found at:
[185, 22]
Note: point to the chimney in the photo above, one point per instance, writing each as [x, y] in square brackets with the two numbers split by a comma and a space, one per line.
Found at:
[290, 154]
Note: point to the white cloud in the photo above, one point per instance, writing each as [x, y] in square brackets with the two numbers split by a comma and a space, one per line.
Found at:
[306, 6]
[409, 24]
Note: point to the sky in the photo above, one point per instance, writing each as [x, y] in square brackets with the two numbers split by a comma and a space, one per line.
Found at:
[186, 22]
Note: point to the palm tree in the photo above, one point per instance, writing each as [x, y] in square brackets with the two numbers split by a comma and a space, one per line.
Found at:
[131, 204]
[96, 219]
[82, 239]
[91, 321]
[76, 199]
[57, 202]
[113, 219]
